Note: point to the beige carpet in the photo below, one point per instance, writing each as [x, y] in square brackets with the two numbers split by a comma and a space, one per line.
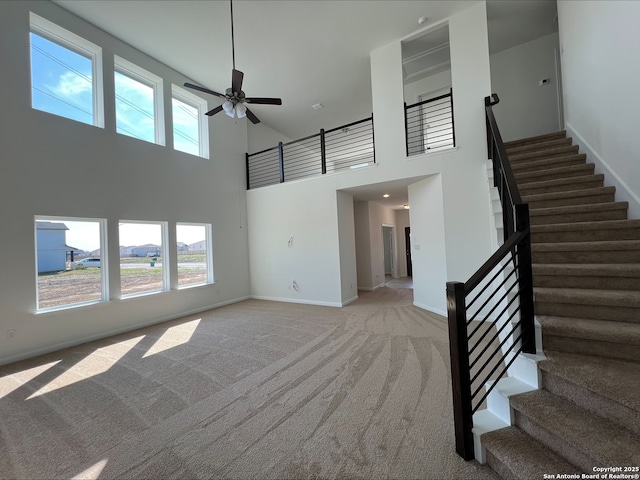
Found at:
[252, 390]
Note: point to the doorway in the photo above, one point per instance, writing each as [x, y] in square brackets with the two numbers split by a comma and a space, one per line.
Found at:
[407, 247]
[388, 247]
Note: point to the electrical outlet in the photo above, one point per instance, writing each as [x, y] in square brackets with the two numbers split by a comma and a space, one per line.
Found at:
[11, 333]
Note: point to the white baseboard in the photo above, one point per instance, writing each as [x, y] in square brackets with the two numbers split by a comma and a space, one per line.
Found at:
[296, 300]
[623, 192]
[429, 308]
[351, 300]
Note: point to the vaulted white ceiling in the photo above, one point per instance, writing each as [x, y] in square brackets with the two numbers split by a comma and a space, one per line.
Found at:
[303, 51]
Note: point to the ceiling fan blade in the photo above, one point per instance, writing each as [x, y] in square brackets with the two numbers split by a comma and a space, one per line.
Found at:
[251, 116]
[202, 89]
[214, 111]
[264, 101]
[236, 81]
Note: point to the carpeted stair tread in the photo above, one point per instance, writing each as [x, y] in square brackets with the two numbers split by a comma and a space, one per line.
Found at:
[545, 163]
[535, 139]
[587, 231]
[555, 173]
[601, 330]
[515, 455]
[594, 212]
[529, 147]
[585, 439]
[587, 180]
[583, 296]
[571, 197]
[551, 152]
[606, 387]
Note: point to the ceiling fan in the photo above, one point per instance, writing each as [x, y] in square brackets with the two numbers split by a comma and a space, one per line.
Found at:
[235, 98]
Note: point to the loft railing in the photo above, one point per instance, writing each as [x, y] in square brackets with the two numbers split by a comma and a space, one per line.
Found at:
[342, 148]
[429, 125]
[491, 315]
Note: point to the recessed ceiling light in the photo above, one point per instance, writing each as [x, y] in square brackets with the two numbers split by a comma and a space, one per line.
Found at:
[317, 106]
[386, 195]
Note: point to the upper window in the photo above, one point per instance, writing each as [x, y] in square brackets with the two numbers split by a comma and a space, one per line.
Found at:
[138, 102]
[190, 124]
[65, 73]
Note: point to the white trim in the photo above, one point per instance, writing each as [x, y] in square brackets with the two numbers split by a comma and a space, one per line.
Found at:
[430, 309]
[351, 300]
[623, 192]
[104, 267]
[139, 74]
[202, 106]
[295, 300]
[52, 32]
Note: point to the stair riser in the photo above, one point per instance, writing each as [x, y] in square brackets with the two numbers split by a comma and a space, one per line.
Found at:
[498, 466]
[593, 312]
[559, 446]
[586, 281]
[593, 402]
[542, 154]
[530, 166]
[566, 202]
[613, 256]
[562, 142]
[585, 346]
[524, 178]
[586, 235]
[593, 182]
[619, 214]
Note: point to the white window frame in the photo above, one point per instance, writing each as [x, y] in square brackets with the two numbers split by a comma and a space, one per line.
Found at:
[209, 254]
[65, 38]
[166, 257]
[202, 106]
[104, 270]
[149, 79]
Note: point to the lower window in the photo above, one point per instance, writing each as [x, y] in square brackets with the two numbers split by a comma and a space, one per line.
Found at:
[142, 257]
[70, 267]
[194, 254]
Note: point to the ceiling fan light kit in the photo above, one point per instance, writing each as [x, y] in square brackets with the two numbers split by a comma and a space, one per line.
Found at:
[235, 98]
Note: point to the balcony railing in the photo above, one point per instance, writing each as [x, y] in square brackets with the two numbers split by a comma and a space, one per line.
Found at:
[429, 125]
[342, 148]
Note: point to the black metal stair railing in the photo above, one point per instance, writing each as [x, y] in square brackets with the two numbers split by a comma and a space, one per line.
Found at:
[491, 315]
[342, 148]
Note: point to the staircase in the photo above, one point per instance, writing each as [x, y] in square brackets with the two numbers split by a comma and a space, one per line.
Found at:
[586, 274]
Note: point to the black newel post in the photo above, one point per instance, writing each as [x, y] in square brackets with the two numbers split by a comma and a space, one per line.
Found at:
[247, 170]
[460, 370]
[525, 276]
[323, 152]
[281, 161]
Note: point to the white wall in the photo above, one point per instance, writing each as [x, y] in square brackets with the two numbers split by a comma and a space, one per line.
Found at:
[347, 244]
[526, 108]
[260, 137]
[308, 206]
[599, 42]
[363, 246]
[306, 210]
[55, 166]
[413, 90]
